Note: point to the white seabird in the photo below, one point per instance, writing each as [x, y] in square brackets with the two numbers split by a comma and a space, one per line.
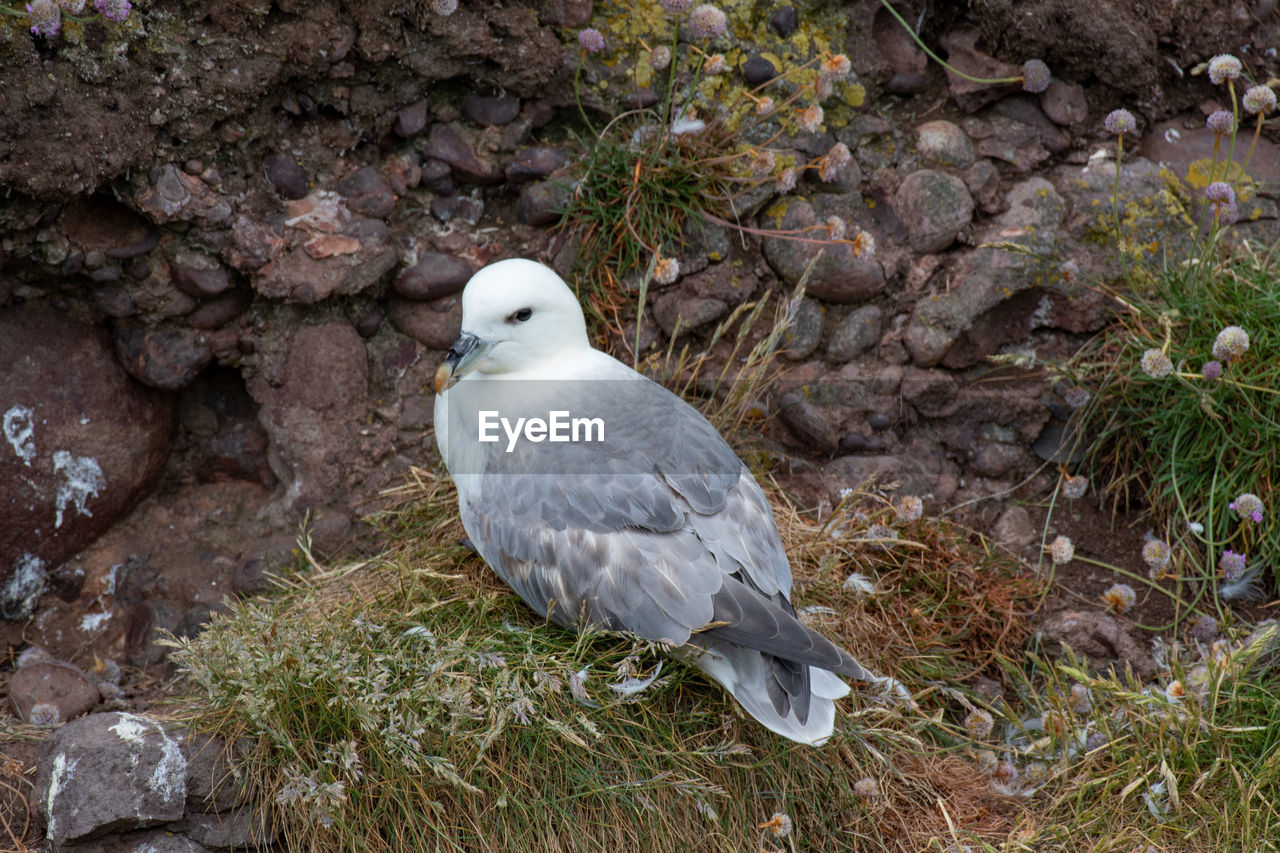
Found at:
[656, 529]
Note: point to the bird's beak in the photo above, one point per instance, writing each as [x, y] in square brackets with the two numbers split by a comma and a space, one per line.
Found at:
[464, 356]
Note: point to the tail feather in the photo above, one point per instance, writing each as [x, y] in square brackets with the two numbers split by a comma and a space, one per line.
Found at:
[749, 675]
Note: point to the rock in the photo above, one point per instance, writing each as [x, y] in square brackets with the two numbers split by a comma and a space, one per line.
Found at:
[198, 275]
[1014, 529]
[99, 223]
[757, 70]
[944, 143]
[254, 244]
[434, 324]
[963, 55]
[437, 176]
[313, 414]
[933, 393]
[983, 182]
[220, 311]
[168, 359]
[491, 109]
[678, 312]
[115, 302]
[411, 120]
[108, 772]
[838, 275]
[213, 783]
[1173, 144]
[296, 276]
[143, 841]
[449, 145]
[784, 21]
[444, 207]
[919, 469]
[934, 207]
[146, 624]
[808, 423]
[1101, 637]
[803, 335]
[568, 13]
[996, 458]
[857, 333]
[1025, 109]
[1064, 103]
[370, 323]
[368, 193]
[530, 164]
[250, 577]
[541, 203]
[283, 173]
[54, 690]
[82, 442]
[242, 829]
[908, 64]
[997, 295]
[433, 276]
[879, 421]
[732, 281]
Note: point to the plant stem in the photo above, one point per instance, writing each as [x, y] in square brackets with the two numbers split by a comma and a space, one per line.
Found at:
[939, 59]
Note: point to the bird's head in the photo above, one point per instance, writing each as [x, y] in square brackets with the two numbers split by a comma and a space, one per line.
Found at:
[515, 314]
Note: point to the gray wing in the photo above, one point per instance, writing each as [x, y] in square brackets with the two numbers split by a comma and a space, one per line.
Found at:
[659, 530]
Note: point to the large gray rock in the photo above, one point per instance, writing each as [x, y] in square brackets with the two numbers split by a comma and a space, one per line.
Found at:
[109, 772]
[82, 442]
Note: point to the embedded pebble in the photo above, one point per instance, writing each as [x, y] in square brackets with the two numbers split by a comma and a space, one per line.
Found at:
[288, 178]
[856, 334]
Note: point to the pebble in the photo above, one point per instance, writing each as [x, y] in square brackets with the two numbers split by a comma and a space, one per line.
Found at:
[288, 178]
[411, 120]
[437, 176]
[934, 207]
[434, 324]
[445, 143]
[540, 203]
[1013, 528]
[807, 423]
[199, 275]
[1064, 103]
[944, 143]
[368, 325]
[434, 275]
[167, 359]
[368, 193]
[530, 164]
[758, 70]
[63, 691]
[802, 337]
[784, 21]
[491, 109]
[856, 334]
[676, 311]
[220, 310]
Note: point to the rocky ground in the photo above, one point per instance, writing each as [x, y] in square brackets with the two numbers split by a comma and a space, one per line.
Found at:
[235, 233]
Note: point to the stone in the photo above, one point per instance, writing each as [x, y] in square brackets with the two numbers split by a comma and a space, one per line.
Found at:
[102, 224]
[254, 244]
[296, 276]
[807, 423]
[109, 772]
[198, 275]
[964, 56]
[433, 276]
[115, 302]
[541, 203]
[437, 176]
[1013, 528]
[857, 333]
[220, 310]
[1064, 103]
[944, 143]
[757, 70]
[908, 64]
[996, 458]
[996, 295]
[568, 13]
[445, 207]
[242, 829]
[434, 324]
[491, 109]
[678, 312]
[313, 414]
[213, 783]
[1025, 109]
[143, 841]
[838, 275]
[934, 207]
[732, 280]
[368, 193]
[82, 443]
[54, 689]
[1103, 638]
[983, 181]
[285, 175]
[933, 393]
[805, 332]
[784, 21]
[411, 120]
[453, 147]
[167, 359]
[530, 164]
[919, 468]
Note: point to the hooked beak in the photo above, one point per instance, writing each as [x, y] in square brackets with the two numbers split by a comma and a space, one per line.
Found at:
[464, 356]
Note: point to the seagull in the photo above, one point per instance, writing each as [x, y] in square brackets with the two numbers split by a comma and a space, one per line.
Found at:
[608, 503]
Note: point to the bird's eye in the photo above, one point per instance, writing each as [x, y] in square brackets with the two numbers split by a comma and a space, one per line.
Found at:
[523, 314]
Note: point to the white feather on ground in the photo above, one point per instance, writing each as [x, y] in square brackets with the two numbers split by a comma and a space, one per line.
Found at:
[659, 530]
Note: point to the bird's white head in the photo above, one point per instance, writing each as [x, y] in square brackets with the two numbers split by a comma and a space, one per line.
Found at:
[515, 314]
